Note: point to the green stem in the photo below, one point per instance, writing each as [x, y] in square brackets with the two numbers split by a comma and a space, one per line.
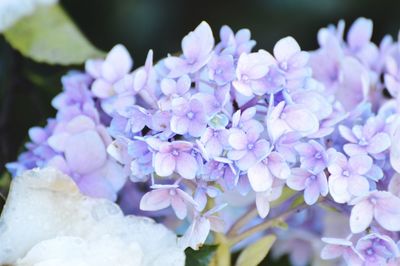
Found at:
[242, 221]
[266, 225]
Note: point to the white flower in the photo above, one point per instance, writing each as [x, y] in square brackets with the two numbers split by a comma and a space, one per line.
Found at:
[12, 10]
[47, 222]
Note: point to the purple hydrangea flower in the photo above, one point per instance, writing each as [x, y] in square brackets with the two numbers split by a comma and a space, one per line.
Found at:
[379, 205]
[250, 70]
[368, 139]
[196, 47]
[312, 156]
[163, 196]
[175, 156]
[377, 249]
[348, 177]
[262, 175]
[188, 117]
[313, 184]
[247, 148]
[337, 247]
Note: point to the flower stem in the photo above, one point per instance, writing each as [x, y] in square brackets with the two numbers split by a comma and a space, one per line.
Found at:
[242, 221]
[266, 225]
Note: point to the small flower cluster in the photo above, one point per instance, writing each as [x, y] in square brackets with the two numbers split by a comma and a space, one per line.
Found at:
[221, 120]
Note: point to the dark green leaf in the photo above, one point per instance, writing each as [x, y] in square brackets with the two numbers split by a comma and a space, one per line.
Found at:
[201, 257]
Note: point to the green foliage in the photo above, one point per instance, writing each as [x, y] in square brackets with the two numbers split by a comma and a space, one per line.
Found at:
[222, 256]
[254, 254]
[201, 257]
[50, 36]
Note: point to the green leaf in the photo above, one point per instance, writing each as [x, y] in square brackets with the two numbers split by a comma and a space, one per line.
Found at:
[256, 252]
[201, 257]
[50, 36]
[223, 256]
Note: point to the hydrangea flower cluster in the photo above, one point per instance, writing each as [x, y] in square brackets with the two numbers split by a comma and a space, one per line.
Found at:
[221, 128]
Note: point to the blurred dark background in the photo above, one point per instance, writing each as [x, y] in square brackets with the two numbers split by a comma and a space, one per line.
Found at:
[26, 87]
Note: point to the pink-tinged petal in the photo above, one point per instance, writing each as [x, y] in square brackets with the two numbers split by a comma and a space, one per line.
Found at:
[236, 155]
[242, 87]
[196, 234]
[95, 186]
[305, 149]
[182, 145]
[395, 150]
[361, 164]
[197, 128]
[238, 139]
[217, 223]
[118, 63]
[164, 164]
[360, 33]
[297, 179]
[186, 165]
[179, 125]
[286, 48]
[80, 123]
[387, 212]
[361, 216]
[102, 89]
[186, 197]
[179, 207]
[262, 204]
[59, 163]
[347, 134]
[113, 173]
[93, 67]
[323, 184]
[198, 42]
[338, 188]
[358, 185]
[139, 79]
[332, 252]
[392, 85]
[260, 178]
[85, 152]
[261, 148]
[301, 119]
[278, 166]
[155, 200]
[379, 143]
[311, 193]
[354, 149]
[246, 161]
[58, 141]
[394, 185]
[168, 86]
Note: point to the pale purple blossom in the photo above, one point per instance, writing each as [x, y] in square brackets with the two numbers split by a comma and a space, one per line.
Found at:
[379, 205]
[313, 156]
[196, 48]
[367, 139]
[251, 68]
[188, 117]
[163, 196]
[175, 157]
[377, 249]
[262, 175]
[348, 176]
[313, 184]
[247, 148]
